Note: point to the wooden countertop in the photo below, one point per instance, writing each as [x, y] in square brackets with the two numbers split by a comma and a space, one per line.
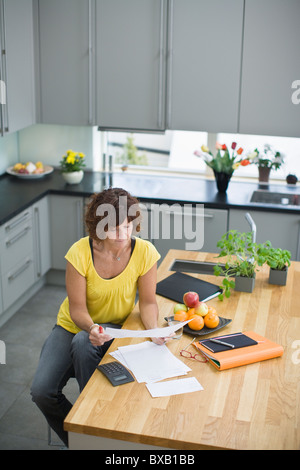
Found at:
[249, 407]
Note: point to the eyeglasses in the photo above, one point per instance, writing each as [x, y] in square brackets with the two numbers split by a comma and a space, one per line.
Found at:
[189, 355]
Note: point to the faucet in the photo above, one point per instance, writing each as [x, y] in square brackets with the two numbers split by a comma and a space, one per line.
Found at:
[252, 226]
[253, 230]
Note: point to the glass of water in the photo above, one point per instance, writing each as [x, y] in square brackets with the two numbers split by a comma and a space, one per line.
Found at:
[178, 333]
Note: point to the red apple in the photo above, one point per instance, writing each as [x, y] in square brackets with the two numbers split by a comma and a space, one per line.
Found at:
[191, 299]
[201, 309]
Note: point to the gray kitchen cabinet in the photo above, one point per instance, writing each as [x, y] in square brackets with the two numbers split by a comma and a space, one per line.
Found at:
[66, 226]
[65, 62]
[270, 66]
[145, 221]
[283, 230]
[1, 297]
[17, 65]
[185, 228]
[205, 45]
[17, 259]
[41, 237]
[130, 63]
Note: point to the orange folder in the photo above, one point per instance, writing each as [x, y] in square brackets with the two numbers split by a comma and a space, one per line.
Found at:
[265, 349]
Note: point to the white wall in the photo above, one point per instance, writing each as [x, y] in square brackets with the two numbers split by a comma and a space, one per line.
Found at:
[8, 151]
[48, 143]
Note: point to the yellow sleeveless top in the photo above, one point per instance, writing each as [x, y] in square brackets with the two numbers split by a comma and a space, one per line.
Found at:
[108, 300]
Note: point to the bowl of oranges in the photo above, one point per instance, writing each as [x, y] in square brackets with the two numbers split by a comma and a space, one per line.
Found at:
[203, 319]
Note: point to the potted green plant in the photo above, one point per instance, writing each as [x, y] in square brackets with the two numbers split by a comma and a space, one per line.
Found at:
[278, 260]
[242, 261]
[71, 166]
[267, 160]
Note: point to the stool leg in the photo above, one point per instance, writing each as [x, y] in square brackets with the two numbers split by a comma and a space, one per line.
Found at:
[50, 442]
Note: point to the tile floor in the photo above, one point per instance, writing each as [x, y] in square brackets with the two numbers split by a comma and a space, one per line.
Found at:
[22, 426]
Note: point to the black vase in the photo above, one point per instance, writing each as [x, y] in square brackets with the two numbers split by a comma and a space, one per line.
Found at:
[222, 180]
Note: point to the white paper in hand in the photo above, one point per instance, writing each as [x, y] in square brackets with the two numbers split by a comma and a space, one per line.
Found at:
[152, 333]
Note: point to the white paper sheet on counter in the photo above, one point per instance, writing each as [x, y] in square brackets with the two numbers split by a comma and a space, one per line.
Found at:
[174, 387]
[150, 362]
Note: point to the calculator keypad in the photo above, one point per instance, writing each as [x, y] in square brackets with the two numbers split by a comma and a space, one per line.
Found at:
[116, 373]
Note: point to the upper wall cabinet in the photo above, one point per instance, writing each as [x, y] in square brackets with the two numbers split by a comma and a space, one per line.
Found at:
[16, 65]
[130, 63]
[205, 46]
[270, 66]
[198, 70]
[215, 66]
[65, 56]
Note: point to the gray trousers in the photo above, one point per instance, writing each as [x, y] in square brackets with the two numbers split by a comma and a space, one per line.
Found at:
[64, 355]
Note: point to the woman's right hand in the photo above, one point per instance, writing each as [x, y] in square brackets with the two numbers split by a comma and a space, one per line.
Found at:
[98, 336]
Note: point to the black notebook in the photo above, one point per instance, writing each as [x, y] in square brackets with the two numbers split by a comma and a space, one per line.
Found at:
[176, 285]
[237, 340]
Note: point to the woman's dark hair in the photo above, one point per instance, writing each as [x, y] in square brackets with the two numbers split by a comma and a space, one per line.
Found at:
[109, 209]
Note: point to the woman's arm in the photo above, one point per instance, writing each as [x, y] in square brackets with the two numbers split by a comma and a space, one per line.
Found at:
[147, 301]
[76, 290]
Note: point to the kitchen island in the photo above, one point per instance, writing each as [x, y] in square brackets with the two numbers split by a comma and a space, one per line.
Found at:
[248, 407]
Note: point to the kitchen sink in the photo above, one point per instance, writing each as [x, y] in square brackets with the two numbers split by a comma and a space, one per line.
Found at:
[282, 199]
[198, 267]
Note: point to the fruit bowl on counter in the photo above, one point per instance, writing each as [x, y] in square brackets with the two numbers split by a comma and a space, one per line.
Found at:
[29, 170]
[203, 319]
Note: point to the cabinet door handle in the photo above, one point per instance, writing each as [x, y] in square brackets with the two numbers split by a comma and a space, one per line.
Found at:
[90, 52]
[17, 237]
[19, 271]
[170, 63]
[79, 219]
[38, 235]
[160, 67]
[205, 216]
[5, 128]
[17, 221]
[3, 83]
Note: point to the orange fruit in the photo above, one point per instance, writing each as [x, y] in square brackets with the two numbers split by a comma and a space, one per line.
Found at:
[190, 312]
[181, 315]
[211, 320]
[211, 310]
[197, 322]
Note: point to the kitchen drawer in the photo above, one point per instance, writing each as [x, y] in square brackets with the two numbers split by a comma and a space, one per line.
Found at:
[185, 228]
[16, 244]
[17, 221]
[17, 280]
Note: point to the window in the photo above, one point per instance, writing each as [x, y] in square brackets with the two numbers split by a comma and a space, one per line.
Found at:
[174, 151]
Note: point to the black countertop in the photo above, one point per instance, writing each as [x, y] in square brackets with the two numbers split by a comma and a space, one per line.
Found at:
[16, 194]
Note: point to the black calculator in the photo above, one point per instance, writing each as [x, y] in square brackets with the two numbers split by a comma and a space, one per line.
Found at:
[116, 373]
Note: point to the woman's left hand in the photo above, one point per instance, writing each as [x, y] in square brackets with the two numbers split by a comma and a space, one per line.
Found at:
[161, 341]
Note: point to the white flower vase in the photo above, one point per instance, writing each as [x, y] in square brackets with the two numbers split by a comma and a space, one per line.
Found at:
[73, 177]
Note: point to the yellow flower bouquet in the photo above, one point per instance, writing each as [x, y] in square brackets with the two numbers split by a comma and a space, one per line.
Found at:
[72, 161]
